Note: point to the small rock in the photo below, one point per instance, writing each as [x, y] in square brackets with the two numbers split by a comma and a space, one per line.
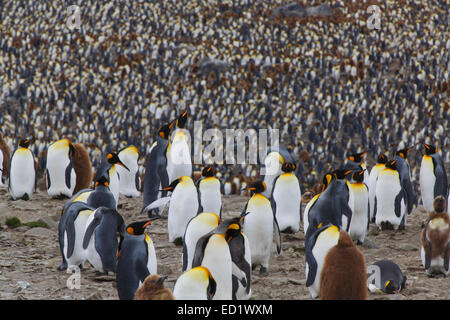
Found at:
[397, 296]
[370, 243]
[40, 232]
[296, 282]
[49, 222]
[95, 296]
[23, 284]
[408, 247]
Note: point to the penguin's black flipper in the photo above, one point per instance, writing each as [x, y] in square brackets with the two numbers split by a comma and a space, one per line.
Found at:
[398, 203]
[277, 234]
[446, 256]
[427, 251]
[200, 249]
[91, 228]
[441, 184]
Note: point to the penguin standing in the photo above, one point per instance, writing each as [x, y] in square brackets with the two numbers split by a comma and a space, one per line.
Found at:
[286, 199]
[359, 204]
[390, 205]
[195, 284]
[61, 175]
[197, 227]
[5, 157]
[435, 240]
[156, 176]
[22, 172]
[209, 191]
[130, 180]
[260, 226]
[82, 166]
[386, 276]
[136, 259]
[109, 170]
[100, 238]
[316, 247]
[356, 162]
[401, 156]
[343, 275]
[212, 251]
[433, 177]
[178, 154]
[271, 169]
[183, 207]
[153, 289]
[374, 172]
[332, 206]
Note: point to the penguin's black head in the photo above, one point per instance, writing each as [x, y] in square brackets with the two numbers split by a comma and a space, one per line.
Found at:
[288, 167]
[391, 287]
[102, 181]
[341, 173]
[429, 149]
[382, 158]
[137, 228]
[24, 143]
[113, 158]
[403, 152]
[327, 178]
[257, 187]
[392, 164]
[358, 176]
[357, 157]
[164, 131]
[208, 171]
[181, 120]
[233, 230]
[172, 186]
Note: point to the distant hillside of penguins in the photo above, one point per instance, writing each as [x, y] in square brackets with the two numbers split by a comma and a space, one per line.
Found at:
[219, 255]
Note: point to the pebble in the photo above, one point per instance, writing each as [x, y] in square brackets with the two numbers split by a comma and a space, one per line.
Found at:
[39, 232]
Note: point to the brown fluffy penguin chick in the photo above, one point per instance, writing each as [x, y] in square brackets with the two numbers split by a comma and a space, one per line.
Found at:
[153, 289]
[343, 276]
[6, 156]
[82, 166]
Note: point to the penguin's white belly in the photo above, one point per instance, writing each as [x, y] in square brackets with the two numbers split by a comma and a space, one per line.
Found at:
[306, 212]
[194, 232]
[435, 264]
[79, 254]
[183, 207]
[387, 189]
[217, 259]
[287, 197]
[57, 162]
[127, 182]
[372, 186]
[211, 199]
[152, 264]
[258, 227]
[427, 181]
[22, 174]
[320, 250]
[114, 183]
[359, 204]
[179, 162]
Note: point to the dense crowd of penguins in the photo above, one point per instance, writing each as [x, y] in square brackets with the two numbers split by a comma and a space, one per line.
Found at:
[102, 110]
[329, 83]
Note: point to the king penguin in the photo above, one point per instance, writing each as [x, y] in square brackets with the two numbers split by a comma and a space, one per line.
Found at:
[402, 165]
[130, 180]
[343, 274]
[197, 227]
[260, 226]
[22, 172]
[61, 175]
[359, 204]
[355, 162]
[435, 240]
[316, 247]
[100, 239]
[385, 276]
[212, 251]
[136, 259]
[195, 284]
[271, 168]
[178, 154]
[156, 177]
[286, 199]
[184, 205]
[109, 170]
[374, 172]
[433, 177]
[390, 204]
[209, 195]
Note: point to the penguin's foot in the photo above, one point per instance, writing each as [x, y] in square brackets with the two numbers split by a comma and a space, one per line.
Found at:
[26, 197]
[62, 266]
[60, 197]
[178, 242]
[254, 266]
[401, 228]
[359, 242]
[386, 225]
[288, 230]
[263, 271]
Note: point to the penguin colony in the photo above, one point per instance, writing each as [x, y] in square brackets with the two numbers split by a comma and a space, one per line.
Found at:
[326, 94]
